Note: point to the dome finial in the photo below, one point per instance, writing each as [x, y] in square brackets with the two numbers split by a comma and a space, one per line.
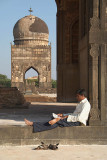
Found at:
[30, 10]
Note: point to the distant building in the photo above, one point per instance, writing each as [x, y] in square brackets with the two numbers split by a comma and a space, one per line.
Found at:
[30, 50]
[35, 77]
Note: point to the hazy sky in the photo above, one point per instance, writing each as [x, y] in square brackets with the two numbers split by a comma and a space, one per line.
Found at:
[13, 10]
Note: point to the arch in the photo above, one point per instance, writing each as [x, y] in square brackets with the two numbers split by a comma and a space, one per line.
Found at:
[74, 40]
[28, 68]
[36, 71]
[31, 81]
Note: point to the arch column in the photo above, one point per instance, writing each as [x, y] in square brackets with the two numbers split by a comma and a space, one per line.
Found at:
[94, 75]
[95, 112]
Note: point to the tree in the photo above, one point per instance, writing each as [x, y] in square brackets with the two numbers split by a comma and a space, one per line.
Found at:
[3, 76]
[54, 83]
[4, 81]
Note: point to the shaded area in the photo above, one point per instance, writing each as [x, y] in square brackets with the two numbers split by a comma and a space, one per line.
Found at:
[36, 112]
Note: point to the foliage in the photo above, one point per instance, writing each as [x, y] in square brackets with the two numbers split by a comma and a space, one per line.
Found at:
[54, 83]
[33, 80]
[3, 77]
[4, 81]
[36, 83]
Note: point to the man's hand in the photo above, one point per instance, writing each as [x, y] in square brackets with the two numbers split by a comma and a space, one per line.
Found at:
[61, 116]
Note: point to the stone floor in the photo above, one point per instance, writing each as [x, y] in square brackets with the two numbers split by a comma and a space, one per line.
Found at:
[74, 152]
[36, 112]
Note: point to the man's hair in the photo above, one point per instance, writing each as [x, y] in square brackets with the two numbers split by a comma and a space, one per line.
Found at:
[81, 92]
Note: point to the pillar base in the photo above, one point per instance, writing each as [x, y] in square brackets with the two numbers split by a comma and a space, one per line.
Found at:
[94, 122]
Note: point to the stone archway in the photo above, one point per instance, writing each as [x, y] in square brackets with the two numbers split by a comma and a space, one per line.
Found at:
[31, 83]
[35, 73]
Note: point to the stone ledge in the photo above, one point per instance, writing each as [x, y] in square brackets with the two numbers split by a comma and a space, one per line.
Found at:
[39, 98]
[22, 135]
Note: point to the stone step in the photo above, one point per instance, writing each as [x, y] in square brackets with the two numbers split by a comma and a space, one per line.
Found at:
[23, 135]
[28, 92]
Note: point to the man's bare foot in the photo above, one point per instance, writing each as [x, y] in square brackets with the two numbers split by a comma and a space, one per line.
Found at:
[53, 121]
[29, 123]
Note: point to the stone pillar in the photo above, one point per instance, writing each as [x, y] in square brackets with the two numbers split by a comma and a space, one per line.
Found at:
[94, 53]
[103, 96]
[60, 49]
[103, 85]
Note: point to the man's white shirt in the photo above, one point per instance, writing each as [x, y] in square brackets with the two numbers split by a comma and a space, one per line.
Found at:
[81, 112]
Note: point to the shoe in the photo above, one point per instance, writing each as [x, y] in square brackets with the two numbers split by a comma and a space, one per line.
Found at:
[55, 115]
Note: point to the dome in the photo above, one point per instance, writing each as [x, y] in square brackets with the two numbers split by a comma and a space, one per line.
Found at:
[30, 28]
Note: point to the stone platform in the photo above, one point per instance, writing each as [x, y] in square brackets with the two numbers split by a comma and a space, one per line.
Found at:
[22, 135]
[40, 98]
[13, 130]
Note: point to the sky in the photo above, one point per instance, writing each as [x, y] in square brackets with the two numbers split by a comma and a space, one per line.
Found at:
[13, 10]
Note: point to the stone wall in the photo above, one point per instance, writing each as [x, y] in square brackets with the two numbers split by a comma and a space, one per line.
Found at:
[78, 135]
[11, 97]
[85, 13]
[47, 90]
[36, 89]
[26, 57]
[39, 98]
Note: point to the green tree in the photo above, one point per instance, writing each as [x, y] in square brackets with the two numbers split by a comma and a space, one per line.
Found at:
[4, 81]
[3, 76]
[54, 83]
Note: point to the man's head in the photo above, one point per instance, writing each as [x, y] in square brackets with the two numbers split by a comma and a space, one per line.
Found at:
[81, 94]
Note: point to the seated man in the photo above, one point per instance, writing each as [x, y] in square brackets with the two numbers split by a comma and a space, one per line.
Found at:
[78, 117]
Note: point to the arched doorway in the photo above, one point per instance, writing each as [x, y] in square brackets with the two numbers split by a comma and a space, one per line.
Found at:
[31, 80]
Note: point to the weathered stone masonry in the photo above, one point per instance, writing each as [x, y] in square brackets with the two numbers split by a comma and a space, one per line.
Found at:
[82, 56]
[11, 98]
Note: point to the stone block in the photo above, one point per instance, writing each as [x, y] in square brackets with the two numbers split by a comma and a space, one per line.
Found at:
[18, 135]
[12, 98]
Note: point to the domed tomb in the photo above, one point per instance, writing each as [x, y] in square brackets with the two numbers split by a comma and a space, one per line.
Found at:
[30, 50]
[31, 30]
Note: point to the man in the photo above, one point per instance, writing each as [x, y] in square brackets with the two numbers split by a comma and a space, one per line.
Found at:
[77, 118]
